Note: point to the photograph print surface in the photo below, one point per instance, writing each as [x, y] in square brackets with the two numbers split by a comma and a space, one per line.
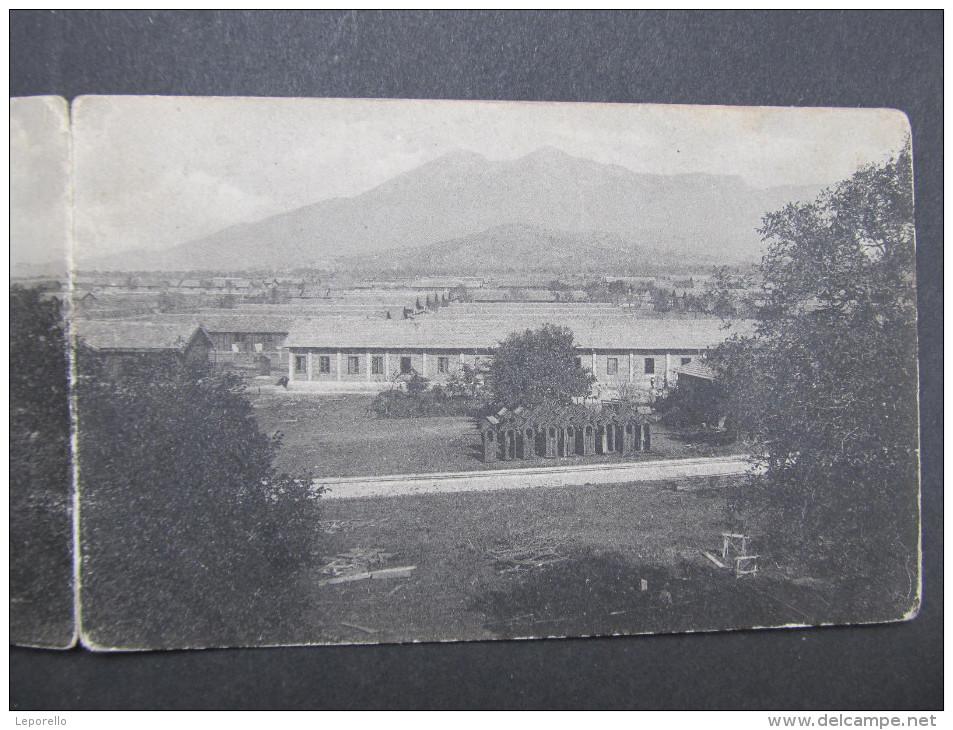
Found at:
[41, 479]
[355, 371]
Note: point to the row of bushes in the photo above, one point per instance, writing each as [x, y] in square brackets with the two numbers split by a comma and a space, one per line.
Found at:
[433, 402]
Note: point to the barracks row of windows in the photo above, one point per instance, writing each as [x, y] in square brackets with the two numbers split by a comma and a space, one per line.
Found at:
[324, 364]
[612, 364]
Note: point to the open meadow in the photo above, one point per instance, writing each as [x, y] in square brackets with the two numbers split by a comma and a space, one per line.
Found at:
[593, 560]
[550, 562]
[341, 436]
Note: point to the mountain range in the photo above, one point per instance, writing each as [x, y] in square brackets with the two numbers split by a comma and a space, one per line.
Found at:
[523, 250]
[463, 197]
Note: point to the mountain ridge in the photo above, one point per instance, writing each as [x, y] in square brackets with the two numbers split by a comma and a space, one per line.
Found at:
[463, 193]
[520, 249]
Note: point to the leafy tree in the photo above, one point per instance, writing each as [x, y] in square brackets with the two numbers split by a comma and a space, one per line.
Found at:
[417, 384]
[184, 519]
[826, 388]
[661, 300]
[467, 381]
[167, 302]
[41, 558]
[537, 367]
[614, 291]
[721, 297]
[461, 293]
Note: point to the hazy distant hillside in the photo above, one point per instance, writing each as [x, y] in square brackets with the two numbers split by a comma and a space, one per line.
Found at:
[462, 194]
[522, 249]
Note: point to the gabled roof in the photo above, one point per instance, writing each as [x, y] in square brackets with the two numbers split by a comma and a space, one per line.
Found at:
[436, 282]
[226, 321]
[137, 336]
[575, 415]
[697, 370]
[251, 323]
[483, 333]
[491, 295]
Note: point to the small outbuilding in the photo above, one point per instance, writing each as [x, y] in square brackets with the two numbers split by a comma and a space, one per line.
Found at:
[125, 344]
[701, 397]
[554, 432]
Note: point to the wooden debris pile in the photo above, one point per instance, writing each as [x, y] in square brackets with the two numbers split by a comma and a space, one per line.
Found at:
[361, 564]
[531, 552]
[735, 555]
[356, 560]
[333, 526]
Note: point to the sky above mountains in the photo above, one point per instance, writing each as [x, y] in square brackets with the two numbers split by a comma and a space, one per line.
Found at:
[39, 185]
[463, 195]
[156, 172]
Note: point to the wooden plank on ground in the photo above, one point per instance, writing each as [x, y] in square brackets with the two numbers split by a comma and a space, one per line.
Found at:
[713, 559]
[403, 572]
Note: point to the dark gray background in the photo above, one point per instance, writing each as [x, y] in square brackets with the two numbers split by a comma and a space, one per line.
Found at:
[769, 58]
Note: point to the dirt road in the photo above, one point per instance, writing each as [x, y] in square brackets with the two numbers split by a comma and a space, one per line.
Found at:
[552, 476]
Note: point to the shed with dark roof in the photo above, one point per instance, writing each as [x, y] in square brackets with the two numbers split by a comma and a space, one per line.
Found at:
[123, 344]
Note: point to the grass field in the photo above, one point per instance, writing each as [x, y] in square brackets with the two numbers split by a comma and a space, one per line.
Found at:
[538, 562]
[573, 561]
[339, 435]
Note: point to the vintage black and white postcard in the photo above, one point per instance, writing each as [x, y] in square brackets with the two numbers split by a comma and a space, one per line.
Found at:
[41, 484]
[367, 371]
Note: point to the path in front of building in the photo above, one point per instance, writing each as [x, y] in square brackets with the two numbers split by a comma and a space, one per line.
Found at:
[395, 485]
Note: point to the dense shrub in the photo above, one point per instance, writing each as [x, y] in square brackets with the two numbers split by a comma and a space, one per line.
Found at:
[189, 535]
[826, 388]
[432, 402]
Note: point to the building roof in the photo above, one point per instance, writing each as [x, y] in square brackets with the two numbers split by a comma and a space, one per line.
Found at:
[226, 321]
[274, 323]
[239, 322]
[436, 282]
[560, 416]
[136, 336]
[597, 333]
[697, 370]
[514, 294]
[565, 309]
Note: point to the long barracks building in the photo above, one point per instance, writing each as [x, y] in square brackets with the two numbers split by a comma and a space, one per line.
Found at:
[622, 351]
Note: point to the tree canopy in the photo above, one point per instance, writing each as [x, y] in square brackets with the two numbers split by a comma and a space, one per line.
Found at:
[183, 515]
[41, 531]
[826, 388]
[538, 367]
